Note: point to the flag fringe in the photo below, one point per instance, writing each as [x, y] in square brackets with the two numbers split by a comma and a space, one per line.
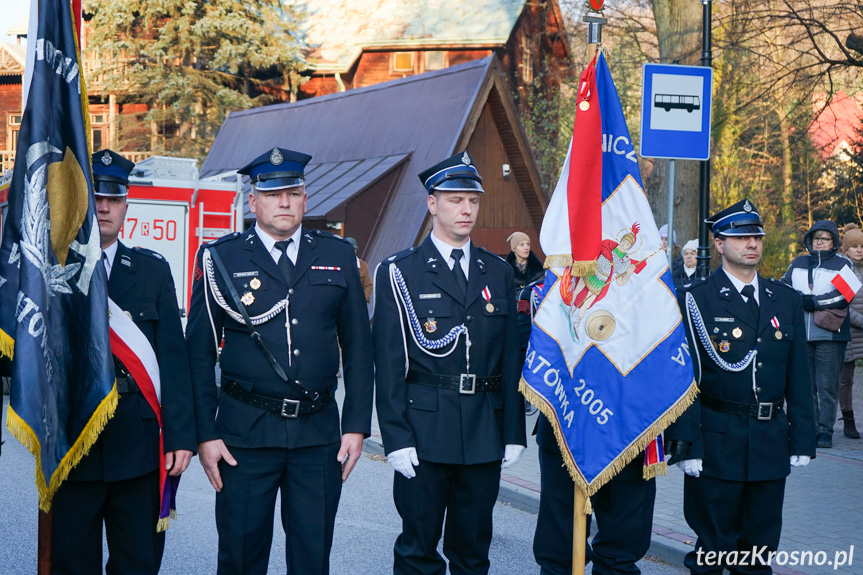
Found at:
[655, 470]
[559, 261]
[7, 345]
[165, 522]
[622, 460]
[25, 434]
[584, 269]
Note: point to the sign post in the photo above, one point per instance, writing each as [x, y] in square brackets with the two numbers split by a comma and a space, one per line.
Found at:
[676, 110]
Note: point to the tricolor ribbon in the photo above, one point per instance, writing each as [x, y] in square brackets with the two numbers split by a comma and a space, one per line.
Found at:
[133, 349]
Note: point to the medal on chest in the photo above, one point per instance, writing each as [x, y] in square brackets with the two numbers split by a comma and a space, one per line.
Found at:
[486, 295]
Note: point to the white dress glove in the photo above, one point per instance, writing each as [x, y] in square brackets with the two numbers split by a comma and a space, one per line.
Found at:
[511, 455]
[799, 460]
[403, 461]
[691, 467]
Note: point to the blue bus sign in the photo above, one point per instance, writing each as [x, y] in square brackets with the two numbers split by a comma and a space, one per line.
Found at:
[676, 111]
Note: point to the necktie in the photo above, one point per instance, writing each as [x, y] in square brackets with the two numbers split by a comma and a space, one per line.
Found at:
[460, 278]
[285, 263]
[107, 265]
[749, 292]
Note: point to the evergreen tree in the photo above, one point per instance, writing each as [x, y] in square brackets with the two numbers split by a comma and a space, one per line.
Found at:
[188, 63]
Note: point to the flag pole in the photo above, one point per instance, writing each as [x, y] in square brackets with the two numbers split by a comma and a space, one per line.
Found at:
[579, 533]
[594, 20]
[46, 542]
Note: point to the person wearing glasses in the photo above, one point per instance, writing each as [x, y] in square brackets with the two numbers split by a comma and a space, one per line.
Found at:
[826, 319]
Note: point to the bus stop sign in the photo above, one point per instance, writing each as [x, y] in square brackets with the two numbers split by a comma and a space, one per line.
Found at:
[676, 108]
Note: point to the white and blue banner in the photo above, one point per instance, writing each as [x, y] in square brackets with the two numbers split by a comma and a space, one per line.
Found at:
[607, 361]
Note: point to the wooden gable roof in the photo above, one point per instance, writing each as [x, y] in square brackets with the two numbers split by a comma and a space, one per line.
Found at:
[421, 119]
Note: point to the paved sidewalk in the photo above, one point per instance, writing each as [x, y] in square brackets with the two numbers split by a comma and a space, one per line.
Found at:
[823, 503]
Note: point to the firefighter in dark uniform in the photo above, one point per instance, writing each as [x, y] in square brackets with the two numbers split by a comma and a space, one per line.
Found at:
[623, 507]
[447, 367]
[117, 482]
[274, 425]
[754, 418]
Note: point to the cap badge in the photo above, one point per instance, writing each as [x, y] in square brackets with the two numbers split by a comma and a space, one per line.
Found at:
[465, 158]
[106, 158]
[276, 157]
[747, 207]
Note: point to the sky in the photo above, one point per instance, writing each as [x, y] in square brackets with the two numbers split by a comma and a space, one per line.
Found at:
[11, 11]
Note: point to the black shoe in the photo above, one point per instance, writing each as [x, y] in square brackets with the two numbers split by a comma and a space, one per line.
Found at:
[848, 428]
[824, 441]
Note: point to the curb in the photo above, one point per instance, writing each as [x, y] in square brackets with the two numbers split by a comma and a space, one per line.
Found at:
[662, 546]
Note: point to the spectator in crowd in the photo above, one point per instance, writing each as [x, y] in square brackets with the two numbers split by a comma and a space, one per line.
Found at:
[686, 272]
[852, 247]
[365, 276]
[825, 318]
[524, 262]
[676, 262]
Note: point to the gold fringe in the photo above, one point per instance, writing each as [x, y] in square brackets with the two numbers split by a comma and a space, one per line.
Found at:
[588, 508]
[558, 261]
[163, 524]
[655, 470]
[7, 345]
[24, 433]
[584, 269]
[622, 460]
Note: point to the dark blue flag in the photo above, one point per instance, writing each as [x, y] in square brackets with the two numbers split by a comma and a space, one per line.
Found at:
[53, 288]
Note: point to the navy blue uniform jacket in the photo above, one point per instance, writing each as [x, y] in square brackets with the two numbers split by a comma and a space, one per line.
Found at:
[141, 284]
[327, 309]
[738, 447]
[444, 425]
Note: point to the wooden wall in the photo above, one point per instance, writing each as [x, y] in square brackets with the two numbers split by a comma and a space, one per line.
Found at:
[10, 104]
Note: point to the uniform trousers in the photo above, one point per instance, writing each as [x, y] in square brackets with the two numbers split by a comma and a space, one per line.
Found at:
[466, 494]
[310, 482]
[130, 512]
[624, 518]
[732, 516]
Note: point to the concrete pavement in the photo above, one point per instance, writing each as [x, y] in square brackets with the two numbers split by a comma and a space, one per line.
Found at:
[823, 509]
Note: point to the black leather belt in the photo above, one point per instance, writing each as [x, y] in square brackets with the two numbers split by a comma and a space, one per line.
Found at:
[126, 385]
[764, 411]
[290, 408]
[464, 383]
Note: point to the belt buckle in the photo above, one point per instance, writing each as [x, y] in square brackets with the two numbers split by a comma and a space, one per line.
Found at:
[761, 408]
[467, 383]
[290, 408]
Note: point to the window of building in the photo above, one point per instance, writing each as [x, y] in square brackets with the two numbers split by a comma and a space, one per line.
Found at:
[403, 62]
[98, 136]
[13, 140]
[435, 60]
[97, 118]
[15, 120]
[527, 61]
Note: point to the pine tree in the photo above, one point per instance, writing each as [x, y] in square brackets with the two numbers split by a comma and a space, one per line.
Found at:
[188, 63]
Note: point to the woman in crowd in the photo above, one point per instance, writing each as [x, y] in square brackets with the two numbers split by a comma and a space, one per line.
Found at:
[524, 262]
[852, 247]
[686, 273]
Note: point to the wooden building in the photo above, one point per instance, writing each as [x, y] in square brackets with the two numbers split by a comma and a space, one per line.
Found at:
[369, 144]
[357, 43]
[12, 57]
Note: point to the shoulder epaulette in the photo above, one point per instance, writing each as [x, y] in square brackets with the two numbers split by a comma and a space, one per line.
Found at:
[151, 253]
[400, 255]
[694, 283]
[223, 239]
[492, 254]
[781, 283]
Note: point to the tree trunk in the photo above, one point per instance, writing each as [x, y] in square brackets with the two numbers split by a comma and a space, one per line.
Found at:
[678, 30]
[788, 220]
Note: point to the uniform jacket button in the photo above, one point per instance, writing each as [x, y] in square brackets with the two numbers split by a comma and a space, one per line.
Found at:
[141, 314]
[295, 321]
[759, 364]
[758, 389]
[296, 352]
[759, 340]
[291, 291]
[468, 318]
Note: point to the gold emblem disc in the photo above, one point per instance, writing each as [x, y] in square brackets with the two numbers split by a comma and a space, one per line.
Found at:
[431, 326]
[255, 283]
[248, 298]
[778, 334]
[737, 332]
[724, 346]
[584, 106]
[489, 307]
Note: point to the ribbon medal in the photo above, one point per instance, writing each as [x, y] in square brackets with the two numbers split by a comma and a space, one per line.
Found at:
[775, 323]
[486, 295]
[430, 325]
